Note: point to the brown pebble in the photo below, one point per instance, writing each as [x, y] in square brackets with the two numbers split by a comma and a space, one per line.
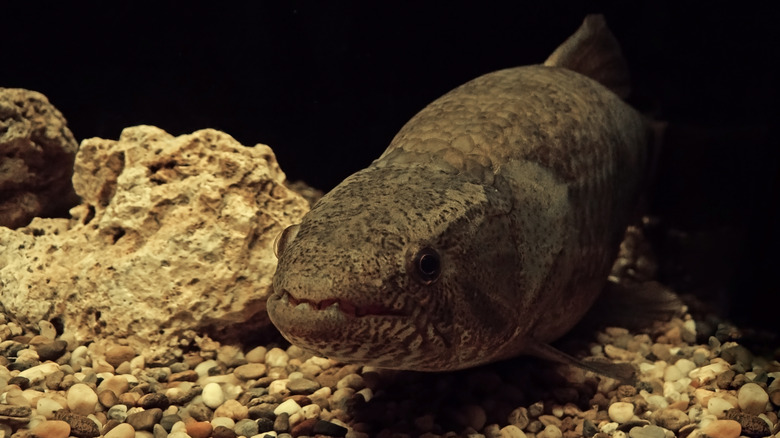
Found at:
[282, 422]
[184, 376]
[51, 429]
[670, 418]
[144, 420]
[154, 400]
[52, 350]
[624, 391]
[752, 426]
[54, 380]
[80, 426]
[200, 412]
[302, 400]
[21, 382]
[304, 428]
[223, 432]
[198, 429]
[118, 354]
[107, 398]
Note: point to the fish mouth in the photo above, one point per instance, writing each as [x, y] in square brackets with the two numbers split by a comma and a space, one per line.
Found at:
[335, 306]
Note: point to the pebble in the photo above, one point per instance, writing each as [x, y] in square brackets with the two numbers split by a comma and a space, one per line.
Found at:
[212, 395]
[621, 412]
[80, 426]
[647, 432]
[276, 357]
[250, 371]
[752, 398]
[118, 413]
[550, 431]
[328, 428]
[670, 418]
[51, 429]
[722, 429]
[118, 354]
[288, 407]
[224, 432]
[232, 409]
[198, 429]
[144, 420]
[47, 406]
[123, 430]
[282, 422]
[718, 406]
[81, 399]
[511, 431]
[248, 428]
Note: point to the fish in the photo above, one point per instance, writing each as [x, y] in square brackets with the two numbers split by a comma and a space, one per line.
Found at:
[485, 230]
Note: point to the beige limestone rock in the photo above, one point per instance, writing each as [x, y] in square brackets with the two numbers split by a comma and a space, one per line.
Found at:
[174, 233]
[36, 158]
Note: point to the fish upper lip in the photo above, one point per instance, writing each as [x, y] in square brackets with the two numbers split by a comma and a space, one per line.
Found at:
[344, 306]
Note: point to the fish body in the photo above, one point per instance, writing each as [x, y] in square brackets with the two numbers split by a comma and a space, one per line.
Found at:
[485, 230]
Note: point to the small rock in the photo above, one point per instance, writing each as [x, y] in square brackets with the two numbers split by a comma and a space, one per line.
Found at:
[81, 399]
[116, 384]
[51, 429]
[249, 428]
[52, 350]
[672, 419]
[621, 412]
[282, 422]
[276, 357]
[647, 432]
[353, 380]
[118, 354]
[158, 431]
[304, 428]
[718, 406]
[108, 398]
[519, 417]
[288, 407]
[752, 398]
[327, 428]
[589, 429]
[474, 416]
[123, 430]
[47, 407]
[200, 412]
[551, 431]
[184, 376]
[212, 395]
[144, 420]
[752, 426]
[154, 400]
[511, 431]
[80, 426]
[232, 409]
[256, 355]
[250, 371]
[224, 432]
[167, 421]
[198, 429]
[118, 413]
[722, 429]
[302, 386]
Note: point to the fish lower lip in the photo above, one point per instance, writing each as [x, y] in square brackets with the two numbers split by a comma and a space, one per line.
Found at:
[344, 306]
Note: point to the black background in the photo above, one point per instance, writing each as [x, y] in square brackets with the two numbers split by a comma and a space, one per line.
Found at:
[327, 85]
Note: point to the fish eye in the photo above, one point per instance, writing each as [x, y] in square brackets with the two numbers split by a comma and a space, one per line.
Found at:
[426, 265]
[284, 238]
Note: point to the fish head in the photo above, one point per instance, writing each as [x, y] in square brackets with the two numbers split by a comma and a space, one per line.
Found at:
[400, 268]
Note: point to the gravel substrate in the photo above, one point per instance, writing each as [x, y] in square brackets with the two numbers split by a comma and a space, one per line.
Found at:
[694, 380]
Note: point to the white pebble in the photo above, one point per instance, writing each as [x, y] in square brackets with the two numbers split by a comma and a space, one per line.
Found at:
[709, 372]
[202, 369]
[752, 398]
[81, 399]
[78, 358]
[621, 412]
[289, 406]
[37, 373]
[47, 406]
[718, 406]
[276, 357]
[47, 329]
[178, 426]
[212, 395]
[223, 421]
[551, 431]
[685, 365]
[122, 430]
[672, 374]
[366, 393]
[279, 387]
[311, 411]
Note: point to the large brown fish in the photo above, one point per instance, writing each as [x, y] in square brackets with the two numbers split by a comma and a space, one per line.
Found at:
[486, 229]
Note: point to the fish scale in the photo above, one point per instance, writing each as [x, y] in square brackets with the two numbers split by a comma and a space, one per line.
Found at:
[485, 230]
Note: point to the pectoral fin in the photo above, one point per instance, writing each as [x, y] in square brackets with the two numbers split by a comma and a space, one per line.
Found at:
[623, 372]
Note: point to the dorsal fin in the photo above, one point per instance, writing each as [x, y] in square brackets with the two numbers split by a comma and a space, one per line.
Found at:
[594, 52]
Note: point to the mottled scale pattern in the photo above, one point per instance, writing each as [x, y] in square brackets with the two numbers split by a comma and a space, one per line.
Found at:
[522, 181]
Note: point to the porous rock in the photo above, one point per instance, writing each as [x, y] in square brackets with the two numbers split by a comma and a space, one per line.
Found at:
[174, 233]
[36, 158]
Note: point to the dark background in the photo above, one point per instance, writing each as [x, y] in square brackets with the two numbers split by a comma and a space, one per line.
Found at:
[327, 85]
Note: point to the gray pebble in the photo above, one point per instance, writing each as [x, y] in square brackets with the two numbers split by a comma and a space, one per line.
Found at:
[263, 410]
[282, 422]
[118, 412]
[200, 412]
[179, 367]
[647, 432]
[589, 429]
[167, 421]
[247, 427]
[159, 431]
[302, 386]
